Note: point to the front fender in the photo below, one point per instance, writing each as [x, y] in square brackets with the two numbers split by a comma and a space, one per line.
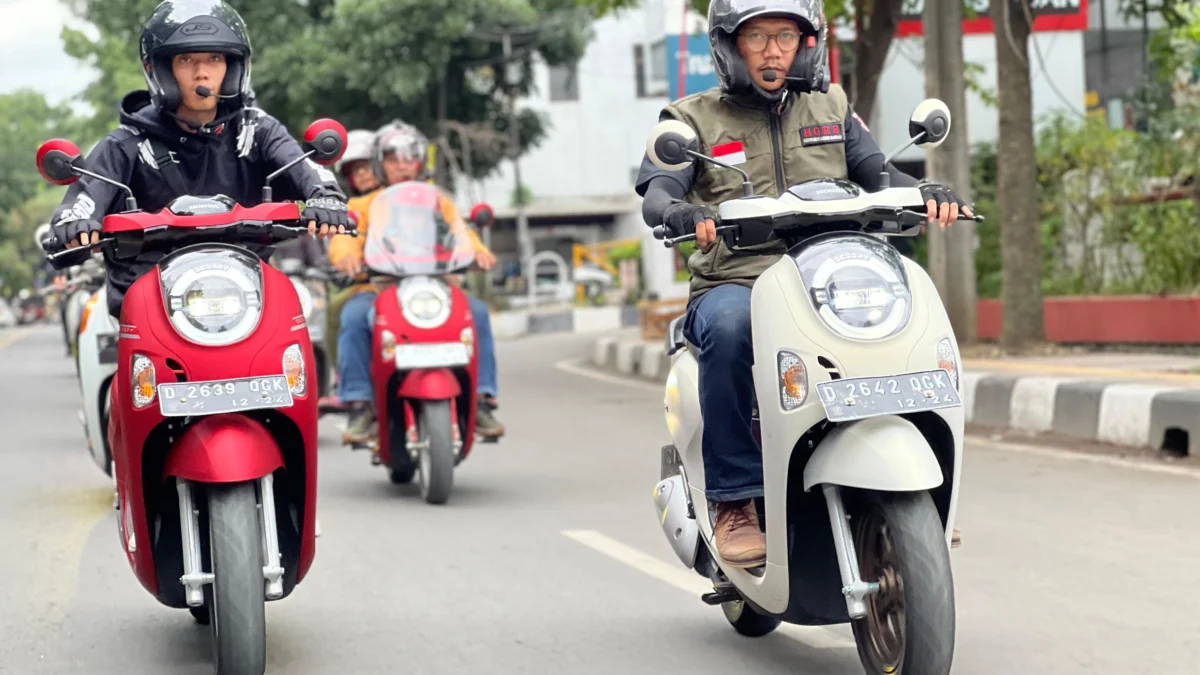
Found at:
[879, 453]
[437, 384]
[223, 449]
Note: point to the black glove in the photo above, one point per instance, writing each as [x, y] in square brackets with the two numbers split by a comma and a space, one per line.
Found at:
[329, 211]
[682, 218]
[66, 231]
[942, 194]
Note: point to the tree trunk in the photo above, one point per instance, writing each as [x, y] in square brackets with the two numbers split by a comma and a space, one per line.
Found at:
[877, 27]
[1016, 179]
[951, 251]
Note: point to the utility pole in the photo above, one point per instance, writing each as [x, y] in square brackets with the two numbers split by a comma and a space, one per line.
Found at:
[951, 251]
[524, 243]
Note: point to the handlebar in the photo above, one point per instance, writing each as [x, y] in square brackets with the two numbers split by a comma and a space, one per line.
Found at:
[907, 223]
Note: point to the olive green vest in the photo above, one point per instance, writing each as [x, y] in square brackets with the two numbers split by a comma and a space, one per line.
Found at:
[765, 135]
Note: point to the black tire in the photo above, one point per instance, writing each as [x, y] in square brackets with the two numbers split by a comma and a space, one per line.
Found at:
[909, 627]
[200, 614]
[402, 467]
[239, 621]
[746, 621]
[436, 459]
[403, 475]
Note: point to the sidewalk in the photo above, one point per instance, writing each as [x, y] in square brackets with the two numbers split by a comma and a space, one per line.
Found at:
[1132, 400]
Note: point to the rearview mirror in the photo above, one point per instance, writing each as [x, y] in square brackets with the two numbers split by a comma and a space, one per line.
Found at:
[327, 140]
[669, 144]
[482, 215]
[931, 118]
[56, 161]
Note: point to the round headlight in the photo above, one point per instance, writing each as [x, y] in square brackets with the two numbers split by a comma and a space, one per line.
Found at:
[425, 302]
[213, 295]
[857, 285]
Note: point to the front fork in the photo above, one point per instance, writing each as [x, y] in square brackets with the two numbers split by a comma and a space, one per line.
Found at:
[853, 587]
[412, 435]
[194, 577]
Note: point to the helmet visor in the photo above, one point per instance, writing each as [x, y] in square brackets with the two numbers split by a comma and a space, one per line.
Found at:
[729, 15]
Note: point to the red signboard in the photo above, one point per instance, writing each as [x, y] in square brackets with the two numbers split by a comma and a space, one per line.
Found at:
[1048, 15]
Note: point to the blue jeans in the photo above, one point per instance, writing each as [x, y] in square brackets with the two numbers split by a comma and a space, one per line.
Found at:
[718, 323]
[354, 348]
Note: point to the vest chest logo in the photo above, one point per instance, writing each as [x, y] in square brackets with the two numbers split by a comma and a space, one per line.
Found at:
[730, 153]
[822, 134]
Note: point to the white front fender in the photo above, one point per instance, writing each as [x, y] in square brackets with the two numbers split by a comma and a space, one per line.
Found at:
[879, 453]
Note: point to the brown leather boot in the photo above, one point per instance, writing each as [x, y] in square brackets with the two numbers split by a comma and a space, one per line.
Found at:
[739, 541]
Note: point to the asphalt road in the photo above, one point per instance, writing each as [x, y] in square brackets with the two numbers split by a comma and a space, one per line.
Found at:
[548, 558]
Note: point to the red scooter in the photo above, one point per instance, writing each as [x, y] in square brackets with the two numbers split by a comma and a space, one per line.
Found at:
[214, 411]
[424, 364]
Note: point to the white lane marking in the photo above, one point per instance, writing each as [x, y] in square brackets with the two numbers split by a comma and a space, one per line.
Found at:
[816, 637]
[1075, 456]
[572, 366]
[9, 339]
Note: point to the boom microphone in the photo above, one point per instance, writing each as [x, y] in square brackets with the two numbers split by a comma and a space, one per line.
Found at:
[205, 92]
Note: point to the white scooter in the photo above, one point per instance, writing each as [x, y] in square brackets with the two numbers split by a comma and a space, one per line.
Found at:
[856, 373]
[97, 341]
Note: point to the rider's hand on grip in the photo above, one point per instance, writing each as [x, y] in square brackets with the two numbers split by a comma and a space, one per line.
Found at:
[350, 265]
[70, 234]
[942, 204]
[682, 219]
[327, 216]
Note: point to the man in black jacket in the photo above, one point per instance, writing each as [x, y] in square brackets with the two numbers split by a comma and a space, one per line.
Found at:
[192, 133]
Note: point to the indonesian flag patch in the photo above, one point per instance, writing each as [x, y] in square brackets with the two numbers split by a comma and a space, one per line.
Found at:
[730, 153]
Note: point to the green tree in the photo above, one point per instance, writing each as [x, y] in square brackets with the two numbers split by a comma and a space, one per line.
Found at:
[19, 254]
[316, 58]
[26, 119]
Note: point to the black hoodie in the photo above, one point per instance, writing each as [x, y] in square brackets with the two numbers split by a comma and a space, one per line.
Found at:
[233, 161]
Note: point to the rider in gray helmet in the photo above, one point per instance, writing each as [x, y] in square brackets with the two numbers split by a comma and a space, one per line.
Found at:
[776, 116]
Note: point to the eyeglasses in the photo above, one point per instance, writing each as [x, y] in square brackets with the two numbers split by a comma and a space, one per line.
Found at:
[757, 41]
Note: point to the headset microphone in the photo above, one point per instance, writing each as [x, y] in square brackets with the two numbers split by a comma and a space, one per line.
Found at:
[205, 92]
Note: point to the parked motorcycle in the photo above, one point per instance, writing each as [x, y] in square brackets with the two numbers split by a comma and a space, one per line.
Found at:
[82, 283]
[213, 428]
[424, 365]
[859, 414]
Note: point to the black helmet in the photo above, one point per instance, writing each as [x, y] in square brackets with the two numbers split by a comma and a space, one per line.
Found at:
[182, 26]
[811, 65]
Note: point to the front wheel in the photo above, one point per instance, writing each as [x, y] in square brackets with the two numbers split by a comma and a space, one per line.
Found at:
[909, 626]
[436, 460]
[238, 616]
[746, 621]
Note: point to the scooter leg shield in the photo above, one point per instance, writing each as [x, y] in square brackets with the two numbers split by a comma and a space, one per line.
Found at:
[671, 502]
[223, 449]
[880, 453]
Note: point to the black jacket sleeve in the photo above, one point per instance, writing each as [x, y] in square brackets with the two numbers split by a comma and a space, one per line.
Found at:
[864, 159]
[304, 181]
[92, 199]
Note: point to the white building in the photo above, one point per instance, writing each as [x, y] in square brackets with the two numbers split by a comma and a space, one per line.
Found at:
[581, 177]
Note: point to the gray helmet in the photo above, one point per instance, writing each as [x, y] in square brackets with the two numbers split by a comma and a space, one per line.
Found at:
[403, 139]
[811, 64]
[359, 144]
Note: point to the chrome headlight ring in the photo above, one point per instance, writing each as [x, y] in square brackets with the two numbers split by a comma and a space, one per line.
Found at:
[857, 286]
[425, 302]
[213, 295]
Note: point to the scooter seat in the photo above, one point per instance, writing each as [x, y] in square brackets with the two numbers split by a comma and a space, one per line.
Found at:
[675, 339]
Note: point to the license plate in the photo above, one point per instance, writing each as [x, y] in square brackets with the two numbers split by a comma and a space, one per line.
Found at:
[860, 398]
[431, 355]
[223, 396]
[107, 346]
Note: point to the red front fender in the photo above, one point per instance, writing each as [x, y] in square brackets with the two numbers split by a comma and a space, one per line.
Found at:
[223, 449]
[438, 384]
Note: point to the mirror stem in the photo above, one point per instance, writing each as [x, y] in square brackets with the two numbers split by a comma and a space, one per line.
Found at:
[911, 142]
[289, 165]
[130, 202]
[747, 186]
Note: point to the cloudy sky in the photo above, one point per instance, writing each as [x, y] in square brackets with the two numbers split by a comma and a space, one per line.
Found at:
[31, 52]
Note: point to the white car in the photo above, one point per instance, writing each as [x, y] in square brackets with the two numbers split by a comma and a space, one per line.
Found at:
[7, 318]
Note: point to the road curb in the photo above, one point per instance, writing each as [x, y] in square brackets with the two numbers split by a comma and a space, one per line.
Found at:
[518, 323]
[1116, 412]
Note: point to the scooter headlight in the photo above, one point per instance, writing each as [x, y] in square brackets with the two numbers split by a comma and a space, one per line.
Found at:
[858, 286]
[425, 302]
[213, 295]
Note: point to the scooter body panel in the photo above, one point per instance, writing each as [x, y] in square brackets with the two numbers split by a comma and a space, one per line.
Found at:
[395, 388]
[143, 439]
[97, 365]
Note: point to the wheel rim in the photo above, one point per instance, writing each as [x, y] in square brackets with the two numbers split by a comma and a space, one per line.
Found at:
[884, 621]
[424, 464]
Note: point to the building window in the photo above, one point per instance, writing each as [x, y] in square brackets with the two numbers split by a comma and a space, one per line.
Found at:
[658, 61]
[649, 71]
[564, 83]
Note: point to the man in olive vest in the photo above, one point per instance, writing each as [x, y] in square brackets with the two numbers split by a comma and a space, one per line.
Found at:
[776, 116]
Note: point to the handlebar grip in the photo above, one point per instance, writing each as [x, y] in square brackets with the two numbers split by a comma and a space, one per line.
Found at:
[660, 232]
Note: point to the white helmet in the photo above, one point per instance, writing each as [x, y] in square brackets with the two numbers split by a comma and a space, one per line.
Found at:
[358, 147]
